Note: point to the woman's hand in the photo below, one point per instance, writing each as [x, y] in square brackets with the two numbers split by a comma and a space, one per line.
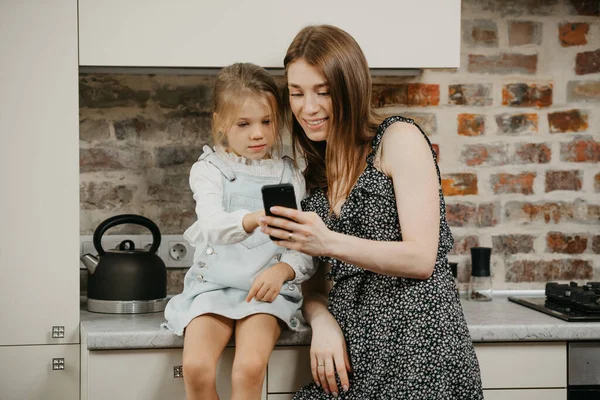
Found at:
[306, 232]
[267, 284]
[328, 354]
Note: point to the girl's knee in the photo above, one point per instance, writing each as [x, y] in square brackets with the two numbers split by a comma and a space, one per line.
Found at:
[199, 372]
[249, 371]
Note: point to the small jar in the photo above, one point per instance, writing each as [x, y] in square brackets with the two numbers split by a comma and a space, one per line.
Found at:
[480, 285]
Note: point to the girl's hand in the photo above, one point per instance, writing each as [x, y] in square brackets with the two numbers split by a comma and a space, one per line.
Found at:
[250, 221]
[306, 232]
[328, 355]
[268, 283]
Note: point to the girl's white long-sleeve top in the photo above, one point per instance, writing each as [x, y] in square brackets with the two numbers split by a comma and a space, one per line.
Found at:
[217, 226]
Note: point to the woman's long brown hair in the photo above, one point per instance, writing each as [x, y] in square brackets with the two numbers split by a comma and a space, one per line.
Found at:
[335, 165]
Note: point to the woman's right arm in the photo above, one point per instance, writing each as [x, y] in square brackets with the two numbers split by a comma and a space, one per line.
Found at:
[213, 225]
[328, 352]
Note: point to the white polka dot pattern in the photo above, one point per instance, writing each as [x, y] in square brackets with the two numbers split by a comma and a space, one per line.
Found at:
[407, 338]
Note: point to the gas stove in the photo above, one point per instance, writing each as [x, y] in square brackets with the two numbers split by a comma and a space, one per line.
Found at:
[570, 302]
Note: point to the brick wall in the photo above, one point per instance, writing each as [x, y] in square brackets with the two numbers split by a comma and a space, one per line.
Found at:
[516, 129]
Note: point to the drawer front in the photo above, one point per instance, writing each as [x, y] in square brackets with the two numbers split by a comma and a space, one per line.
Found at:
[146, 374]
[289, 369]
[522, 365]
[526, 394]
[287, 396]
[503, 366]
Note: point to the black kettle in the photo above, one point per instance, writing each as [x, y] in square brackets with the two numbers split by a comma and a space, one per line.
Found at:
[126, 279]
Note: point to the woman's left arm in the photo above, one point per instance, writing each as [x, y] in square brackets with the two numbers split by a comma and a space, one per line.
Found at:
[407, 159]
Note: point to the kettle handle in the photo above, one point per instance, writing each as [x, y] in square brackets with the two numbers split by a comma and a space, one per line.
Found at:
[126, 219]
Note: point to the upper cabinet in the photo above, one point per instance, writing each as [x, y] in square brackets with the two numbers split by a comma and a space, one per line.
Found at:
[212, 34]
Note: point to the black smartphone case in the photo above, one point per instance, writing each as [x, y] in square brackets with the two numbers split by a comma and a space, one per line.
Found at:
[281, 194]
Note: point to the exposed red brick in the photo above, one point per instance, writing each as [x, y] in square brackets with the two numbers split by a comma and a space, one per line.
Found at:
[112, 90]
[580, 150]
[173, 217]
[593, 214]
[586, 7]
[463, 244]
[597, 182]
[552, 212]
[436, 148]
[471, 124]
[508, 183]
[98, 159]
[557, 242]
[568, 121]
[512, 244]
[105, 195]
[517, 124]
[583, 91]
[479, 33]
[475, 94]
[167, 156]
[532, 153]
[171, 189]
[510, 8]
[485, 154]
[469, 214]
[389, 95]
[505, 63]
[544, 271]
[573, 34]
[527, 95]
[459, 184]
[427, 121]
[596, 244]
[587, 62]
[421, 94]
[524, 32]
[563, 180]
[94, 130]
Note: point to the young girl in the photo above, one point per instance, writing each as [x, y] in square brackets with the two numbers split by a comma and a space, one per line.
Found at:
[241, 282]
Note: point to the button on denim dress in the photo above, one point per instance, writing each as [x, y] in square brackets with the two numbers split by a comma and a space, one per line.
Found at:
[222, 274]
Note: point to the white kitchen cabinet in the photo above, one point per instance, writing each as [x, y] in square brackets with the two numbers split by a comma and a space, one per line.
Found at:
[188, 33]
[289, 369]
[526, 394]
[143, 375]
[523, 365]
[287, 396]
[39, 206]
[511, 371]
[39, 372]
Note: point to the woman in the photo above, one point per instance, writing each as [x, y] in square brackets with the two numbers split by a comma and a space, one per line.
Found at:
[391, 327]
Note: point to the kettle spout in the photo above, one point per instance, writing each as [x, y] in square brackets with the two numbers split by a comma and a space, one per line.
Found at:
[90, 261]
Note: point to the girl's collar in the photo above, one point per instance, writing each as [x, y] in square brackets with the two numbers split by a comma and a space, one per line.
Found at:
[239, 160]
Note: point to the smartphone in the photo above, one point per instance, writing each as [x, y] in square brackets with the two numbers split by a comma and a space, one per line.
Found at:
[282, 195]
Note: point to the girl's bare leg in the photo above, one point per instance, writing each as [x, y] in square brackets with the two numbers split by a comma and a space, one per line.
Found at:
[205, 338]
[255, 337]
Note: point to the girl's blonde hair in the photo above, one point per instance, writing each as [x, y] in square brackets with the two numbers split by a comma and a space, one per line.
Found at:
[234, 85]
[335, 165]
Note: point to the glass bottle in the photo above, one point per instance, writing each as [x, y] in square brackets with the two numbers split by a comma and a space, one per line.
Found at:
[480, 285]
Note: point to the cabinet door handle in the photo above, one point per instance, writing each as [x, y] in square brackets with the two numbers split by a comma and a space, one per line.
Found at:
[178, 371]
[58, 364]
[58, 331]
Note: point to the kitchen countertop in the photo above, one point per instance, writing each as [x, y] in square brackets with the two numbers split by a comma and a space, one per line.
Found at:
[495, 321]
